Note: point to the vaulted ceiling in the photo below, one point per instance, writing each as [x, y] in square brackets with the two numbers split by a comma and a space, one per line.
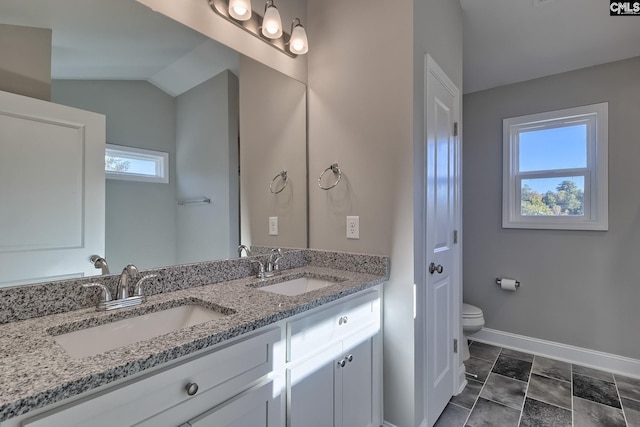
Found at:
[507, 41]
[121, 39]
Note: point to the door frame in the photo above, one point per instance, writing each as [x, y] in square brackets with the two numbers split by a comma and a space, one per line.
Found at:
[432, 70]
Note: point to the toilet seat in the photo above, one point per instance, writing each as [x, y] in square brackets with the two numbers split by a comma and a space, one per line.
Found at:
[471, 312]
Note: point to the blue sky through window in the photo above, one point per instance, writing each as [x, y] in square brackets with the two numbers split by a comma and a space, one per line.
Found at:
[556, 148]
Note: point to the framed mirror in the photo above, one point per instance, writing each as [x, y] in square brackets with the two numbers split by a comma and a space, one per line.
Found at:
[227, 126]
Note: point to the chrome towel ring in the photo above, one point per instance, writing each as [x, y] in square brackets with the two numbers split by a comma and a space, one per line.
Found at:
[336, 171]
[282, 175]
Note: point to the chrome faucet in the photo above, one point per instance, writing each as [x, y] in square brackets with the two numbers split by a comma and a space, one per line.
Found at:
[244, 248]
[122, 299]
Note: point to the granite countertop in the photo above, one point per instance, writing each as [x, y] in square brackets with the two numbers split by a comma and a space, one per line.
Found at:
[36, 371]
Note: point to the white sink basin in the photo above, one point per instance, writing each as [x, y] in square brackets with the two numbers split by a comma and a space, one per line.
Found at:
[297, 286]
[98, 339]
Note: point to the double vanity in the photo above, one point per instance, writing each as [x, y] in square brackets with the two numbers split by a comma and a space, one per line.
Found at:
[213, 345]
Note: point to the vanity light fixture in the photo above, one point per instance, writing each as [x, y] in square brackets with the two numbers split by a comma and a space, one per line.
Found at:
[271, 23]
[298, 42]
[268, 29]
[240, 9]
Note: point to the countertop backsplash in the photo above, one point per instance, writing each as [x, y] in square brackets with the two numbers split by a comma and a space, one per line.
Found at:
[43, 299]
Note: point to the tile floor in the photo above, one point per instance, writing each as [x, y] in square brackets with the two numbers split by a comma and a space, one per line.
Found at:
[519, 389]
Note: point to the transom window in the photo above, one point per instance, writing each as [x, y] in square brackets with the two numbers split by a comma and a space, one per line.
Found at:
[136, 164]
[555, 169]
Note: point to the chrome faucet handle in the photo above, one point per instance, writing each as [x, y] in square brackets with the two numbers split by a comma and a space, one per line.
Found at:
[106, 295]
[137, 291]
[261, 273]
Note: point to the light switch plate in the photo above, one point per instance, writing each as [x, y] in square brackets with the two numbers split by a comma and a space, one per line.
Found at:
[353, 227]
[273, 226]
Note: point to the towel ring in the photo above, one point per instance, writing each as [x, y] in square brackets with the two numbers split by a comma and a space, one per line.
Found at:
[285, 179]
[336, 171]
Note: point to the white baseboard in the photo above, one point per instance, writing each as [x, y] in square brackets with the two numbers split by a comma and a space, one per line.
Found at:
[554, 350]
[462, 378]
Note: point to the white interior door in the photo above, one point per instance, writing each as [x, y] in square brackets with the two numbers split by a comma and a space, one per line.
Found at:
[52, 190]
[442, 278]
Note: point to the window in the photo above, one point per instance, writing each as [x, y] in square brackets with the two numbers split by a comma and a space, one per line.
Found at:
[555, 170]
[136, 164]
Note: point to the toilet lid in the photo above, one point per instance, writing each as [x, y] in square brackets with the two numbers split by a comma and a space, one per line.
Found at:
[469, 310]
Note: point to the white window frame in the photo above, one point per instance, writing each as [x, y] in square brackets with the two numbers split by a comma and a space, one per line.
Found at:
[161, 159]
[596, 197]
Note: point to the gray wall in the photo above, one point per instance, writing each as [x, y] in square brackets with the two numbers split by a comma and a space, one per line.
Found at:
[25, 61]
[578, 287]
[207, 165]
[273, 138]
[365, 112]
[140, 216]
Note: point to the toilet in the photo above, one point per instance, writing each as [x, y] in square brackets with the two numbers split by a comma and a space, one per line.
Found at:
[472, 322]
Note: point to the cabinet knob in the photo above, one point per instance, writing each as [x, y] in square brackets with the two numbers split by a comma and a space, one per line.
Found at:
[350, 358]
[192, 388]
[341, 363]
[343, 320]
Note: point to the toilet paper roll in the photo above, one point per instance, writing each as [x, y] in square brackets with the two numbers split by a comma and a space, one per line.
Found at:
[508, 284]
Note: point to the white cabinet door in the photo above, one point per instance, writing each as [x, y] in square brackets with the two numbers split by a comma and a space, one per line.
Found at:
[52, 187]
[310, 390]
[334, 388]
[334, 366]
[254, 408]
[357, 386]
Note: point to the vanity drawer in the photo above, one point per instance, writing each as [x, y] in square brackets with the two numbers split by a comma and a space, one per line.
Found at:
[312, 333]
[233, 366]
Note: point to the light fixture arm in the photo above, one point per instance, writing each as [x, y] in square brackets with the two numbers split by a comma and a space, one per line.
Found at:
[295, 23]
[252, 26]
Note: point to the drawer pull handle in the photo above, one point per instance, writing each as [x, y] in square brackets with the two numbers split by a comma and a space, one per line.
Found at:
[341, 363]
[192, 388]
[350, 358]
[343, 320]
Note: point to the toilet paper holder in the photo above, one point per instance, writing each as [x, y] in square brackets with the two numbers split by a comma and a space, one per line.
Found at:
[499, 282]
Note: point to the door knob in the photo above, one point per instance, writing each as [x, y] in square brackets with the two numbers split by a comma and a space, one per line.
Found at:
[435, 268]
